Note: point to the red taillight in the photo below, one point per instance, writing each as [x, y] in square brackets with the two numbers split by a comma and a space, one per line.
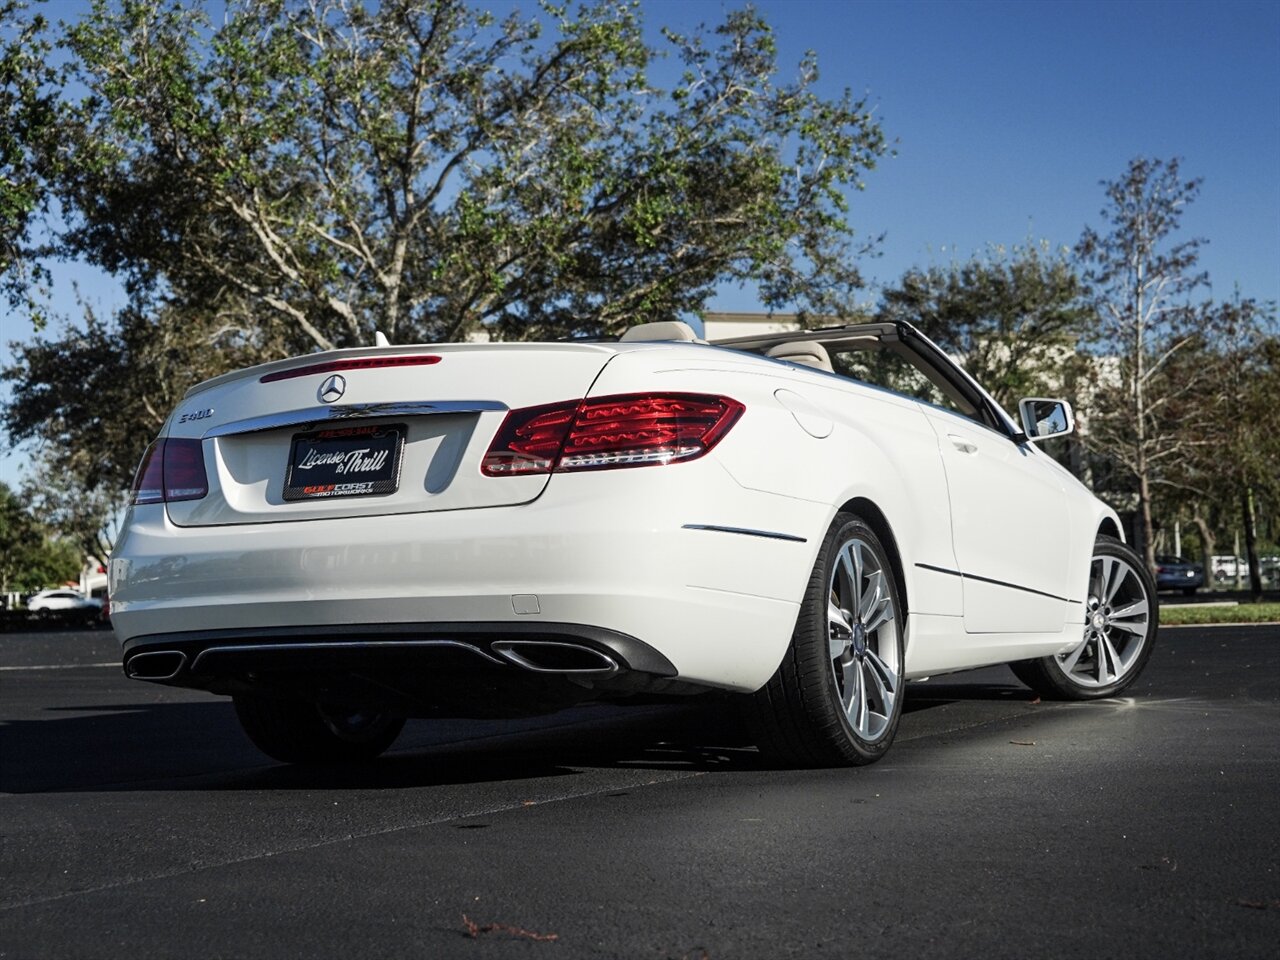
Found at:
[353, 363]
[602, 433]
[171, 469]
[184, 476]
[529, 440]
[646, 429]
[148, 482]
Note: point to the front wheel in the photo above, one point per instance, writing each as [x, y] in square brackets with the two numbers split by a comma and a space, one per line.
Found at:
[1121, 617]
[836, 698]
[295, 731]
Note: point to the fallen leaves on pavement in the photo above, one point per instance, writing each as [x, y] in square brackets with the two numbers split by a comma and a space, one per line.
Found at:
[473, 930]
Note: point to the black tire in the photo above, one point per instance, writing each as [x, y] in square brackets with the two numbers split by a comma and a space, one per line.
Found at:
[1107, 662]
[294, 731]
[799, 717]
[1188, 591]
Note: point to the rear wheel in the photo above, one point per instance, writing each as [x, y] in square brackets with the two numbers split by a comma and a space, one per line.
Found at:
[836, 698]
[1119, 634]
[295, 731]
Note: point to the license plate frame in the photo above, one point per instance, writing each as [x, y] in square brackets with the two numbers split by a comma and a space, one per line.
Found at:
[345, 461]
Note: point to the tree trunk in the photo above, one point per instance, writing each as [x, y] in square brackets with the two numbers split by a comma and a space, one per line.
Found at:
[1207, 543]
[1148, 525]
[1251, 542]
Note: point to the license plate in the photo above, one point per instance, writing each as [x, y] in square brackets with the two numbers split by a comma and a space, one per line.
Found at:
[345, 462]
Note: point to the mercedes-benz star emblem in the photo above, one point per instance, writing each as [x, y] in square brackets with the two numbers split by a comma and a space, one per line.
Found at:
[333, 388]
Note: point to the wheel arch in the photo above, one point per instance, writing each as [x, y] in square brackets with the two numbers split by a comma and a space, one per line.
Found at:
[878, 522]
[1109, 527]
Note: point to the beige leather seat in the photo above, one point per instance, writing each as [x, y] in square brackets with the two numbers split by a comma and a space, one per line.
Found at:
[807, 353]
[661, 330]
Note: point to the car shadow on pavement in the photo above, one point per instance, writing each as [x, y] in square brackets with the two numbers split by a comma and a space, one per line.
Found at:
[83, 747]
[199, 746]
[939, 693]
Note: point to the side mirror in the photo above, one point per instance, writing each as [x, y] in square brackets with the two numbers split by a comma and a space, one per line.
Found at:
[1042, 419]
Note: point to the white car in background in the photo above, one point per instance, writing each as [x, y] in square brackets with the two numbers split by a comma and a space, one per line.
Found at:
[808, 520]
[1227, 568]
[61, 599]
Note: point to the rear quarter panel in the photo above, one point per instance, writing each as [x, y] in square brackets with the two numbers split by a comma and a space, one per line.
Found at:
[878, 447]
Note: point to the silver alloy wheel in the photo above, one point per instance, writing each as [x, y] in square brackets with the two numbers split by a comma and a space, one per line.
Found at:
[862, 633]
[1117, 625]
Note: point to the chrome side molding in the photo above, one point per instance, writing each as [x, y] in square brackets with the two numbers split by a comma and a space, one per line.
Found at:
[744, 531]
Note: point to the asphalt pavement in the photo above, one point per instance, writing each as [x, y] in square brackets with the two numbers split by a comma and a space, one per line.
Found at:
[137, 821]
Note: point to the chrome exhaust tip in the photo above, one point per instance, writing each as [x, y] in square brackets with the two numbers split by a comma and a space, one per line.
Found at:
[155, 665]
[550, 656]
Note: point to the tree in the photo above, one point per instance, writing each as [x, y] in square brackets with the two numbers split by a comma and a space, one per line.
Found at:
[1239, 467]
[1233, 465]
[1191, 487]
[88, 519]
[303, 174]
[1141, 279]
[315, 171]
[30, 556]
[27, 117]
[90, 399]
[1013, 317]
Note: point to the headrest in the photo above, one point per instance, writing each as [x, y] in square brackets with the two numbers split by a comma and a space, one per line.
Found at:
[807, 353]
[660, 330]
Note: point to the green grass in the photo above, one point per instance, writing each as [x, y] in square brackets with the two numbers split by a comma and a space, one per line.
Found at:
[1200, 613]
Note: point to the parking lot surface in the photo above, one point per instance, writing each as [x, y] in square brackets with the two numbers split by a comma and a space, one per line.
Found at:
[136, 820]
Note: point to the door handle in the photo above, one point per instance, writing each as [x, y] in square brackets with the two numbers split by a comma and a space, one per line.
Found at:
[961, 444]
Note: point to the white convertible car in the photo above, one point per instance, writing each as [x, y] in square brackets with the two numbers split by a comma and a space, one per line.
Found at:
[808, 520]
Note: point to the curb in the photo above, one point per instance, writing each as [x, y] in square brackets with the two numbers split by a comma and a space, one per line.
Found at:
[1180, 626]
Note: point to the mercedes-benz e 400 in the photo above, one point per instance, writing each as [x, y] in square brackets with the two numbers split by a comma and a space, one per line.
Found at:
[802, 521]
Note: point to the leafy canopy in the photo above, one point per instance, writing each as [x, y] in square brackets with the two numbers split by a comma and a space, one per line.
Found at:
[1012, 316]
[298, 175]
[31, 557]
[27, 119]
[1141, 277]
[311, 172]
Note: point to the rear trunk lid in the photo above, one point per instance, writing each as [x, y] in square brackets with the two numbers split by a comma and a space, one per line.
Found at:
[370, 431]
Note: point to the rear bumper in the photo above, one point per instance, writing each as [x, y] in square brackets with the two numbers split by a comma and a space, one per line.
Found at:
[193, 658]
[427, 670]
[700, 578]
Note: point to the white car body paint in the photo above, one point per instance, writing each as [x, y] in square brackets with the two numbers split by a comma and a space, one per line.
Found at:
[704, 561]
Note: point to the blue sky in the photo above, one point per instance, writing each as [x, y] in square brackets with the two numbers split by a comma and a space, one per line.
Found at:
[1007, 115]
